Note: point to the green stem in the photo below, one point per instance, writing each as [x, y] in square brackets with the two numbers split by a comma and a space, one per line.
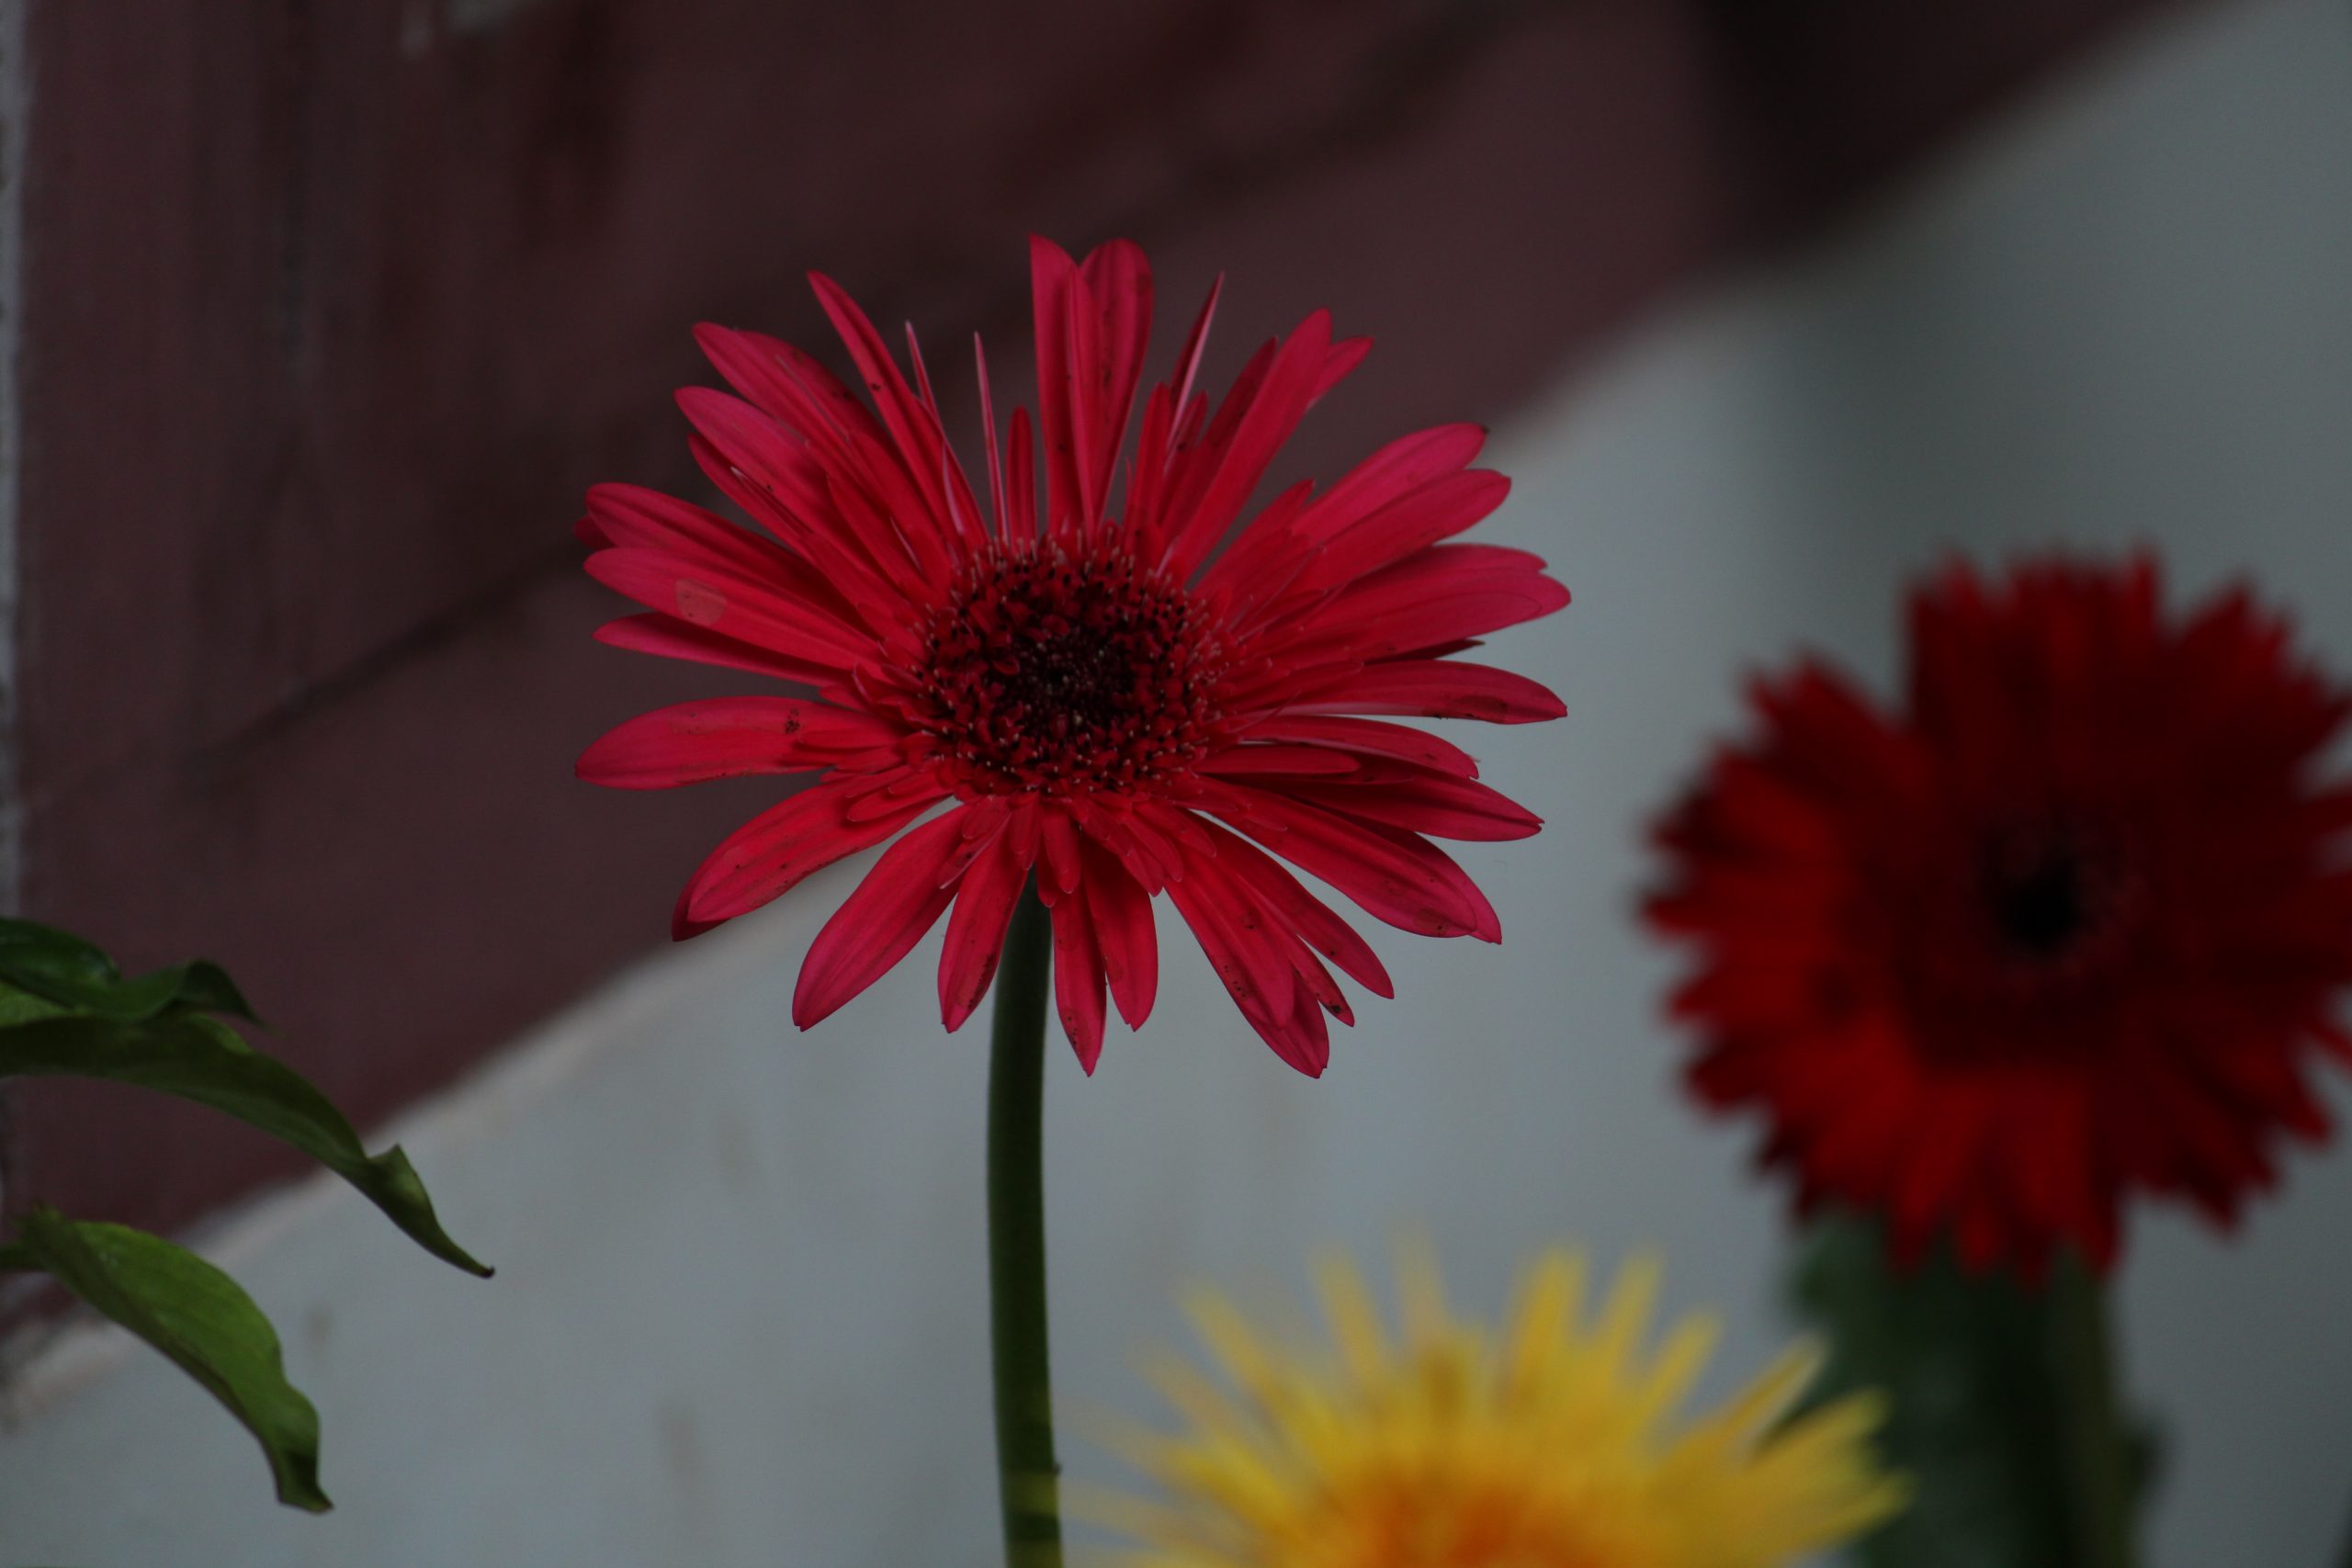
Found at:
[1026, 1470]
[2097, 1442]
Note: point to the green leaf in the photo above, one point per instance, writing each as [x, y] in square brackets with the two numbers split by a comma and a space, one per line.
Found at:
[60, 967]
[1976, 1418]
[202, 1059]
[201, 1319]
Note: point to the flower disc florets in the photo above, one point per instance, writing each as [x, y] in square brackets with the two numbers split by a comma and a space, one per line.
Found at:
[1052, 672]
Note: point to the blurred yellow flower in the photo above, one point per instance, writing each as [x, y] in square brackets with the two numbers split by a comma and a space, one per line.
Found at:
[1553, 1446]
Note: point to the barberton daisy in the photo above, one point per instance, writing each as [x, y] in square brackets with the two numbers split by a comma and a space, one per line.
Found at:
[2069, 924]
[1175, 695]
[1554, 1444]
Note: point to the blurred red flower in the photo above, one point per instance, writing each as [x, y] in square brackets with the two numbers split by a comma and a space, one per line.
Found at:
[1112, 701]
[2070, 925]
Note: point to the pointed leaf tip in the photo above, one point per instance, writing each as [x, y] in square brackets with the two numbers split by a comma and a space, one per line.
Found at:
[201, 1319]
[197, 1057]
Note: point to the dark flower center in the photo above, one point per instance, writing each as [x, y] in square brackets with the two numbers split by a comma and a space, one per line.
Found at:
[2059, 895]
[2040, 910]
[1052, 672]
[2049, 916]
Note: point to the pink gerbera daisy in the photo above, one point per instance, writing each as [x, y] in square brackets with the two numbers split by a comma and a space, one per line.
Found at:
[1124, 706]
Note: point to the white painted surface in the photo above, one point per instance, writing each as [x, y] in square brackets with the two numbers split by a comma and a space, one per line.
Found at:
[739, 1314]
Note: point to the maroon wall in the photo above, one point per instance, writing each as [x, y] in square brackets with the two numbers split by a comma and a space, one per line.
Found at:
[333, 309]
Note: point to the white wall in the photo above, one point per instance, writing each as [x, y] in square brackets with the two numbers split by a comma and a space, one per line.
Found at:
[739, 1314]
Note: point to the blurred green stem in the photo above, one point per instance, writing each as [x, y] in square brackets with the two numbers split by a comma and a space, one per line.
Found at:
[2097, 1444]
[1026, 1470]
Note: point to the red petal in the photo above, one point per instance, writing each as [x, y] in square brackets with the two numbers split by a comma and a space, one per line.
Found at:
[670, 638]
[790, 386]
[1434, 688]
[732, 605]
[1062, 867]
[1370, 736]
[771, 852]
[1053, 279]
[1287, 761]
[920, 451]
[627, 515]
[1118, 279]
[1237, 934]
[1392, 875]
[1437, 594]
[1123, 933]
[1395, 469]
[1078, 978]
[725, 738]
[1339, 365]
[883, 917]
[1321, 929]
[1412, 521]
[984, 903]
[776, 478]
[1272, 415]
[1440, 805]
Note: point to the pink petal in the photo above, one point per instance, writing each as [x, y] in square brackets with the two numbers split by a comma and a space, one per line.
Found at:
[1201, 442]
[1440, 805]
[764, 614]
[789, 385]
[670, 638]
[632, 517]
[725, 738]
[775, 476]
[1262, 561]
[1078, 978]
[1119, 281]
[1434, 596]
[1294, 762]
[1168, 425]
[1233, 932]
[1339, 365]
[1392, 874]
[1271, 416]
[1145, 483]
[1062, 866]
[1020, 479]
[771, 853]
[1438, 510]
[813, 527]
[1298, 1035]
[648, 518]
[1370, 736]
[1053, 280]
[920, 444]
[762, 466]
[984, 902]
[1397, 468]
[1123, 930]
[881, 919]
[1433, 688]
[1321, 929]
[683, 927]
